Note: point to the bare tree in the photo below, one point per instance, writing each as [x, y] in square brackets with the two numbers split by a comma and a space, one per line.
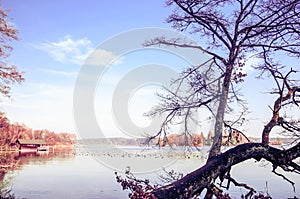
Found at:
[230, 31]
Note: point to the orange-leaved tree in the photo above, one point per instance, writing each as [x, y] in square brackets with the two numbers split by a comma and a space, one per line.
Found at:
[9, 74]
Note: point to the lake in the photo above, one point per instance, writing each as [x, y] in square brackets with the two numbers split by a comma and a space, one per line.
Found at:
[89, 173]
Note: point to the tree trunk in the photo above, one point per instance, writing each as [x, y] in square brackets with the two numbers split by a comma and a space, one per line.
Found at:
[219, 165]
[275, 117]
[218, 131]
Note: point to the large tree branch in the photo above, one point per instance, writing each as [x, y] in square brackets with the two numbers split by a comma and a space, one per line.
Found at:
[174, 42]
[201, 178]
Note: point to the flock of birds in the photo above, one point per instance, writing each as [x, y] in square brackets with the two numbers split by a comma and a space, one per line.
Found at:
[138, 153]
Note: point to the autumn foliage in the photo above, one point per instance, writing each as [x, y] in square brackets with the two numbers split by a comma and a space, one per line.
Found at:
[9, 74]
[9, 133]
[183, 140]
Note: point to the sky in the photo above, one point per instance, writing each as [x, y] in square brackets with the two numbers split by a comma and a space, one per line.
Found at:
[60, 39]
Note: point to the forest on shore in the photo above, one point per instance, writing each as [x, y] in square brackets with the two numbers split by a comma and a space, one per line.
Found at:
[11, 132]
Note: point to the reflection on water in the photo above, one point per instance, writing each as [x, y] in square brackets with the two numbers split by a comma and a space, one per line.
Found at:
[12, 162]
[42, 157]
[79, 173]
[15, 160]
[8, 161]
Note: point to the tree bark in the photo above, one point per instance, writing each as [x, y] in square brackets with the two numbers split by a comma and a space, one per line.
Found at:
[275, 117]
[219, 165]
[217, 141]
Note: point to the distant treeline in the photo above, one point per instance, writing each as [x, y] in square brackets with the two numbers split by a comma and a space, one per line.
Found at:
[9, 133]
[178, 140]
[172, 139]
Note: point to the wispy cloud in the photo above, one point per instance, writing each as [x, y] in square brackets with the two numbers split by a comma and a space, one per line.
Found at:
[251, 61]
[58, 72]
[67, 50]
[103, 57]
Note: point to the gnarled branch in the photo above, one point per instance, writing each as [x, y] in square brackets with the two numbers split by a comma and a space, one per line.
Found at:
[201, 178]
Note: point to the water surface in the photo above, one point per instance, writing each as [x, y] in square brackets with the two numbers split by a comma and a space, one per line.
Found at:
[90, 173]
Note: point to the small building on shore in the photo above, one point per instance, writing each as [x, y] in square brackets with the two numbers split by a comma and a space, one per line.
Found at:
[30, 145]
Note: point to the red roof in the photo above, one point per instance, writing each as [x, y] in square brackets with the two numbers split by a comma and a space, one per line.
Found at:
[24, 141]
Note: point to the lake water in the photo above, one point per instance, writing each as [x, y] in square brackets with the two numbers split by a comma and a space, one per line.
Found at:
[83, 173]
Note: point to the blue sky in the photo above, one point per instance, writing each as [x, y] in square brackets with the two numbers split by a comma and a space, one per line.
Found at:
[56, 38]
